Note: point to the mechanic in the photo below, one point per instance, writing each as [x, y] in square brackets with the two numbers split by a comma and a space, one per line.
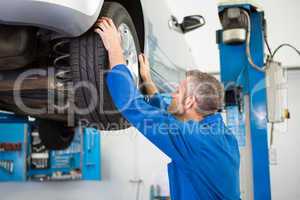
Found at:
[204, 153]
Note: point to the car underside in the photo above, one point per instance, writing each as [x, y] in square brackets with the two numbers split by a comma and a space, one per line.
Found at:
[59, 79]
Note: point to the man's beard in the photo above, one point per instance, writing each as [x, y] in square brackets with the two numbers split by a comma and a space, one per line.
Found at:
[176, 108]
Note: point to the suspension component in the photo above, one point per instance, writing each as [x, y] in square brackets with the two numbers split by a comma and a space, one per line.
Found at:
[62, 76]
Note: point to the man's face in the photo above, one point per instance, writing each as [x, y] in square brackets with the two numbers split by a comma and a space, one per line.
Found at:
[178, 97]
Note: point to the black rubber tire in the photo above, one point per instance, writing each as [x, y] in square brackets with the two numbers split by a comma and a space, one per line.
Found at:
[88, 59]
[55, 135]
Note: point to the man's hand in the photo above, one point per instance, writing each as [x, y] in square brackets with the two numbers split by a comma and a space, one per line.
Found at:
[111, 38]
[146, 76]
[144, 68]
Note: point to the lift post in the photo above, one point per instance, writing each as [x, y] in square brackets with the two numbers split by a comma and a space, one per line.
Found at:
[243, 76]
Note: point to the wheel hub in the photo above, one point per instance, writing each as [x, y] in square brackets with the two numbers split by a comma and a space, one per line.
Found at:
[129, 51]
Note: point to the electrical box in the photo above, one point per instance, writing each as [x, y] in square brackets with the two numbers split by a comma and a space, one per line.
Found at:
[276, 83]
[23, 156]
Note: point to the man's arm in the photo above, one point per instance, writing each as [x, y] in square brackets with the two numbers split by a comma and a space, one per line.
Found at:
[148, 83]
[111, 40]
[153, 97]
[161, 128]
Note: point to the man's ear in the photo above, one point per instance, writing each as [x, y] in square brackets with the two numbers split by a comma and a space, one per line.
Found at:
[189, 102]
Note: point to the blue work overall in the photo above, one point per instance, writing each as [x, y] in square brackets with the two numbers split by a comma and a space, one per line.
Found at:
[205, 154]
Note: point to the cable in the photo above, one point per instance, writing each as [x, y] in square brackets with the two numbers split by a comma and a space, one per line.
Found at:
[284, 45]
[268, 46]
[272, 134]
[248, 51]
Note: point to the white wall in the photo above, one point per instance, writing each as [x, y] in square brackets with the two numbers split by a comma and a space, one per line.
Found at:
[285, 173]
[283, 26]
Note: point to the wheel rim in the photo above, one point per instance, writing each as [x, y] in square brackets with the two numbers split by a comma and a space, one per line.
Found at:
[129, 51]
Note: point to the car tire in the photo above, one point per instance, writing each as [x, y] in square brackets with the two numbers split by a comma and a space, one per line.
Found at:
[89, 61]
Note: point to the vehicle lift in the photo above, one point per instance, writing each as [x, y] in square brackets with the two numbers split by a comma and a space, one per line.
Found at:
[250, 91]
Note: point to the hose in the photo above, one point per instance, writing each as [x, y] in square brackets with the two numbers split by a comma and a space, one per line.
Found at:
[248, 50]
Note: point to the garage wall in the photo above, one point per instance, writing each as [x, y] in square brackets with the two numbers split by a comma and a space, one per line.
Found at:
[283, 26]
[285, 154]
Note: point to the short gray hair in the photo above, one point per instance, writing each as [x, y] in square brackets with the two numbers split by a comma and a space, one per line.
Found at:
[207, 90]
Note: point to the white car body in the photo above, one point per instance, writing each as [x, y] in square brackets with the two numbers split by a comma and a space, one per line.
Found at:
[169, 53]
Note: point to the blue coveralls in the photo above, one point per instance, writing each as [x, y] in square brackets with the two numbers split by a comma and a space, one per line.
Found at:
[205, 155]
